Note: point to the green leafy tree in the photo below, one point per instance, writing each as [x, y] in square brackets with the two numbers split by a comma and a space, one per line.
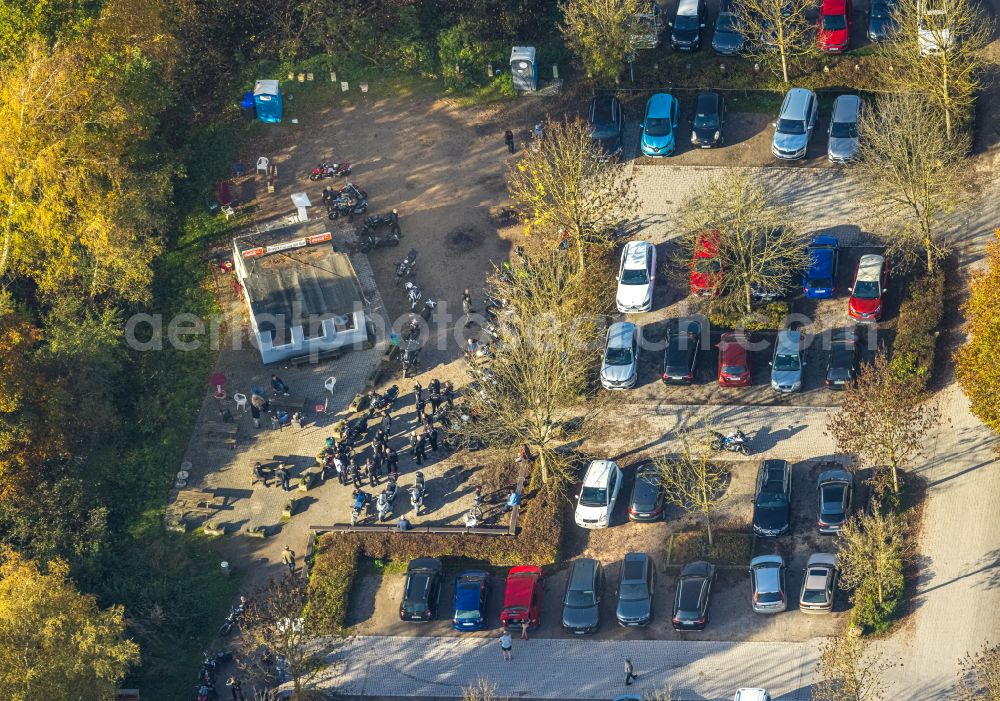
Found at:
[601, 33]
[873, 551]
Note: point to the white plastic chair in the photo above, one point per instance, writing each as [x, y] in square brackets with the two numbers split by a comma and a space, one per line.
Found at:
[241, 401]
[329, 384]
[262, 164]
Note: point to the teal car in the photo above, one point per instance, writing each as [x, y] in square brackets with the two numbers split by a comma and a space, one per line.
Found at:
[660, 126]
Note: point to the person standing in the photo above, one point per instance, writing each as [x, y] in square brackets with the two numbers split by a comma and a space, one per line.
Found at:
[282, 474]
[449, 394]
[338, 465]
[235, 688]
[419, 449]
[506, 644]
[386, 422]
[467, 307]
[524, 630]
[288, 557]
[356, 474]
[432, 436]
[629, 672]
[372, 473]
[508, 138]
[393, 463]
[418, 392]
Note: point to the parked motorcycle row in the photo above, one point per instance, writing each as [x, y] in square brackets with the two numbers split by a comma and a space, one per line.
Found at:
[205, 688]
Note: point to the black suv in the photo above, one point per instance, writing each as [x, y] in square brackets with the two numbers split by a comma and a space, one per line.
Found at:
[772, 506]
[844, 358]
[690, 19]
[422, 593]
[680, 357]
[582, 602]
[607, 125]
[691, 600]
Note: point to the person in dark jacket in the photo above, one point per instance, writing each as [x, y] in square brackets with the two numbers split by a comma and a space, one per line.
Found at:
[508, 138]
[419, 449]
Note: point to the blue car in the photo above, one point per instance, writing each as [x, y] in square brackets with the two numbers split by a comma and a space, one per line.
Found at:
[660, 126]
[820, 280]
[470, 600]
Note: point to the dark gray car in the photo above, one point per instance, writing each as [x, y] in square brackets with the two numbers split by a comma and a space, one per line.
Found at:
[635, 590]
[582, 601]
[727, 40]
[694, 587]
[834, 491]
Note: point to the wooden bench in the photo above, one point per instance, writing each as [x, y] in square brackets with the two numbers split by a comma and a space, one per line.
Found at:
[222, 432]
[289, 403]
[199, 502]
[311, 358]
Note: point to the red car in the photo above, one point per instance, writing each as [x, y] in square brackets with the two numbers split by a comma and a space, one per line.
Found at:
[868, 289]
[835, 20]
[734, 360]
[522, 598]
[706, 270]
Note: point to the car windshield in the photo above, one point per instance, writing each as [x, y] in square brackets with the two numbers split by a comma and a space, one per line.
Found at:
[786, 363]
[768, 597]
[834, 23]
[833, 499]
[415, 607]
[706, 120]
[866, 289]
[733, 369]
[579, 598]
[594, 496]
[725, 23]
[814, 596]
[467, 615]
[635, 591]
[657, 126]
[844, 130]
[821, 282]
[771, 500]
[635, 276]
[686, 23]
[618, 356]
[791, 126]
[707, 265]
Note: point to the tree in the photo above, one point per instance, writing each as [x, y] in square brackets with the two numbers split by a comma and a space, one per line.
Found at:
[790, 32]
[273, 626]
[55, 642]
[975, 368]
[883, 419]
[601, 33]
[873, 550]
[691, 480]
[979, 675]
[564, 188]
[850, 669]
[758, 243]
[911, 174]
[938, 50]
[482, 690]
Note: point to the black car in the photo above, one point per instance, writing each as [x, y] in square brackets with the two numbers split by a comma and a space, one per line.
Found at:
[772, 506]
[834, 491]
[727, 39]
[687, 25]
[422, 593]
[582, 601]
[709, 113]
[635, 590]
[607, 124]
[646, 502]
[681, 355]
[881, 23]
[694, 587]
[844, 358]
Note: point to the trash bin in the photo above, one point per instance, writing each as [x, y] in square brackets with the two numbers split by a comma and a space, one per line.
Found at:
[524, 68]
[224, 568]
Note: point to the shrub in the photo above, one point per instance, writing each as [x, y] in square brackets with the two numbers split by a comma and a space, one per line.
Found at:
[463, 55]
[916, 334]
[768, 316]
[330, 579]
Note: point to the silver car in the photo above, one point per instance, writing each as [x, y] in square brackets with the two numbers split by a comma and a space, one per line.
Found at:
[843, 144]
[621, 356]
[819, 585]
[795, 124]
[767, 578]
[787, 364]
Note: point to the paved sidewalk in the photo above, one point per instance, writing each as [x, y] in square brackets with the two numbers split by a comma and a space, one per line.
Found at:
[572, 668]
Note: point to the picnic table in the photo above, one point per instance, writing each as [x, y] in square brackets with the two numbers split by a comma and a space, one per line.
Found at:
[199, 502]
[289, 402]
[222, 432]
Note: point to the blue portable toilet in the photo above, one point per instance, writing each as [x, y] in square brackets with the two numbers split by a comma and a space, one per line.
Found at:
[524, 68]
[267, 100]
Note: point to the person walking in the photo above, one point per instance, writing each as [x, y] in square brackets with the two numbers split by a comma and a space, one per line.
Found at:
[393, 460]
[467, 309]
[338, 465]
[386, 422]
[418, 392]
[419, 449]
[506, 644]
[279, 385]
[283, 479]
[524, 630]
[432, 436]
[235, 688]
[356, 475]
[449, 394]
[508, 138]
[372, 473]
[629, 672]
[288, 557]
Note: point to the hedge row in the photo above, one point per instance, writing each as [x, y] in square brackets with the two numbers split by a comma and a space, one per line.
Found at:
[765, 317]
[916, 333]
[336, 557]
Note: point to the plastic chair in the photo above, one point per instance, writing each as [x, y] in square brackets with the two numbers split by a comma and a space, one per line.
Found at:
[262, 164]
[329, 384]
[241, 401]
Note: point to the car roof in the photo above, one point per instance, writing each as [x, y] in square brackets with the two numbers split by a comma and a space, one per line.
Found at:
[834, 476]
[707, 101]
[733, 345]
[659, 105]
[788, 341]
[767, 560]
[870, 267]
[602, 107]
[597, 473]
[473, 575]
[423, 564]
[751, 695]
[794, 106]
[688, 7]
[697, 569]
[822, 559]
[634, 254]
[634, 561]
[620, 334]
[824, 240]
[845, 108]
[582, 574]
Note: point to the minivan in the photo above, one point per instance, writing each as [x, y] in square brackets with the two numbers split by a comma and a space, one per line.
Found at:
[687, 25]
[795, 124]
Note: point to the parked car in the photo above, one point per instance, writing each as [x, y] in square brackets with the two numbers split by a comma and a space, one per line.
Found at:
[844, 142]
[935, 31]
[819, 585]
[787, 363]
[646, 502]
[820, 279]
[734, 360]
[582, 601]
[621, 356]
[694, 587]
[690, 19]
[522, 597]
[471, 588]
[636, 585]
[659, 126]
[881, 20]
[868, 289]
[607, 124]
[422, 592]
[834, 492]
[767, 580]
[842, 367]
[836, 17]
[772, 504]
[727, 39]
[795, 124]
[709, 114]
[680, 359]
[596, 501]
[636, 277]
[706, 269]
[752, 695]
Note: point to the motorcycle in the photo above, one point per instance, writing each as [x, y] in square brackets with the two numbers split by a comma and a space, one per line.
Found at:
[377, 221]
[356, 429]
[370, 242]
[418, 492]
[412, 330]
[413, 294]
[429, 306]
[378, 402]
[330, 170]
[346, 207]
[360, 503]
[385, 500]
[404, 268]
[235, 613]
[735, 442]
[205, 692]
[410, 356]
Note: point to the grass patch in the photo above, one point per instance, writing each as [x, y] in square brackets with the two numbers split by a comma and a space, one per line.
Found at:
[723, 315]
[728, 549]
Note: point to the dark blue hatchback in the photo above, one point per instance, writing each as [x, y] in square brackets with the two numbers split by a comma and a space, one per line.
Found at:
[470, 600]
[820, 280]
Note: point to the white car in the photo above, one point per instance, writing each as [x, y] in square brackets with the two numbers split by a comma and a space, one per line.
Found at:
[934, 30]
[752, 695]
[620, 367]
[636, 277]
[596, 500]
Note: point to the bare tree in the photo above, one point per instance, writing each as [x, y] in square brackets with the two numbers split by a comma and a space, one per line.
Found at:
[659, 693]
[979, 675]
[873, 550]
[564, 188]
[482, 690]
[911, 174]
[777, 31]
[939, 50]
[601, 33]
[850, 669]
[691, 480]
[883, 420]
[758, 244]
